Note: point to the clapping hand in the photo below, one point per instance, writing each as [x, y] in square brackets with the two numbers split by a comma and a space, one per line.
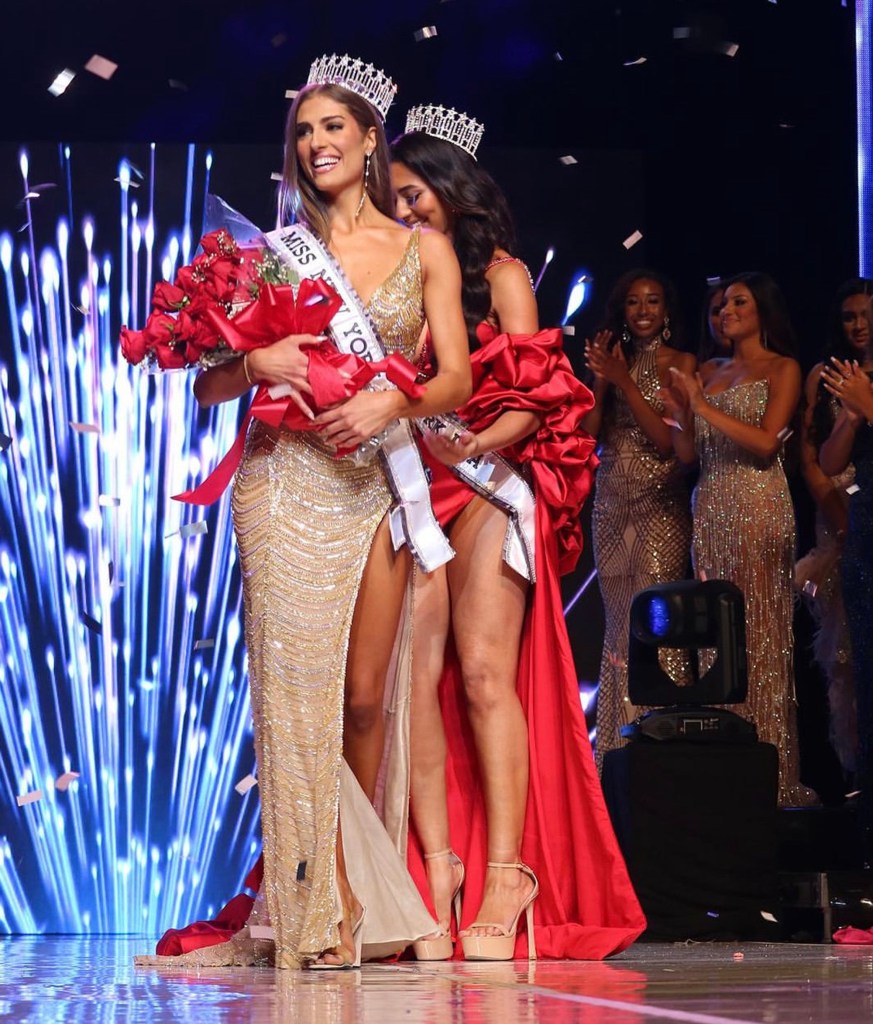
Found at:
[848, 382]
[605, 358]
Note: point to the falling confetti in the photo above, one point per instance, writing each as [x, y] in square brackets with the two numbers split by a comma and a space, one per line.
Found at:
[568, 161]
[29, 798]
[632, 240]
[63, 781]
[244, 785]
[101, 66]
[428, 32]
[61, 82]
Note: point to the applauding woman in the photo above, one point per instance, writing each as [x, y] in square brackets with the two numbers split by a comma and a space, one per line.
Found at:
[733, 417]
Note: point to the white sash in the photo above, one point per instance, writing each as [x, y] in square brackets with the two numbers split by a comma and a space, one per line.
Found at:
[496, 480]
[411, 519]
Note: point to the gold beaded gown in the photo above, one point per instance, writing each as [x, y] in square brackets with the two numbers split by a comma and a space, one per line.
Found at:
[642, 533]
[304, 523]
[744, 532]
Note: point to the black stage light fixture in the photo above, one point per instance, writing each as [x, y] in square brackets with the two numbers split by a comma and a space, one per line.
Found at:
[691, 615]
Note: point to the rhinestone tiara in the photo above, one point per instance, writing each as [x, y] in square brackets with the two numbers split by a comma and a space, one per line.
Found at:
[447, 124]
[353, 74]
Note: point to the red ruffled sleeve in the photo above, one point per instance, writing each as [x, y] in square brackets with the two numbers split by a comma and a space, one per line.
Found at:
[531, 372]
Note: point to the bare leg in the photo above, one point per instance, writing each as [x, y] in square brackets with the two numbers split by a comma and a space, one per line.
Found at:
[374, 626]
[429, 807]
[344, 953]
[488, 607]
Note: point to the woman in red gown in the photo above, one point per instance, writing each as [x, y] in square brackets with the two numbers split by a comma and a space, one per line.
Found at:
[505, 801]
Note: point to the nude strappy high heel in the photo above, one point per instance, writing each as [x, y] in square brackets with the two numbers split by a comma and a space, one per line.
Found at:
[502, 947]
[439, 947]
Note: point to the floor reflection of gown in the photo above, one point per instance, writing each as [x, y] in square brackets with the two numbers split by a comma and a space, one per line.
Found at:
[744, 532]
[305, 523]
[642, 533]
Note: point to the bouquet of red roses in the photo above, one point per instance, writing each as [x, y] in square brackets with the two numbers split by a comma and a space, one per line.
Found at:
[224, 303]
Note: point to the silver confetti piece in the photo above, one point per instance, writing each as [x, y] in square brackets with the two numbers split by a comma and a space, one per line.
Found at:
[569, 330]
[428, 32]
[85, 428]
[29, 798]
[191, 529]
[852, 489]
[202, 645]
[632, 240]
[63, 781]
[244, 785]
[568, 161]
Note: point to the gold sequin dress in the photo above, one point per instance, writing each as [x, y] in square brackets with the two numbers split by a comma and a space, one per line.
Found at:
[304, 523]
[744, 532]
[642, 534]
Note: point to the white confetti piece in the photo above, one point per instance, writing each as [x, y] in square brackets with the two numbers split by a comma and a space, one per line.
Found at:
[291, 94]
[107, 501]
[102, 67]
[569, 330]
[675, 424]
[558, 56]
[852, 489]
[276, 176]
[29, 798]
[713, 281]
[428, 32]
[202, 645]
[568, 161]
[261, 931]
[635, 63]
[768, 916]
[729, 49]
[632, 240]
[85, 428]
[63, 781]
[244, 785]
[61, 82]
[192, 529]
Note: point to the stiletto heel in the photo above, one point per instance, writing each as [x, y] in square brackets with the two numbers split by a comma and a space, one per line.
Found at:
[439, 946]
[502, 947]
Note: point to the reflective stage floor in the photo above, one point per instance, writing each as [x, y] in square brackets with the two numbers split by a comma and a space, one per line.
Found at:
[94, 980]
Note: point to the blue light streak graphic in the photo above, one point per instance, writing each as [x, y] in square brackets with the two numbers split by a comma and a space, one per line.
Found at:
[101, 601]
[864, 72]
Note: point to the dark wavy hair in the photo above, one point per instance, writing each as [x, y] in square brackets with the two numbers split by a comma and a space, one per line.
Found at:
[707, 348]
[299, 199]
[824, 413]
[777, 334]
[478, 212]
[613, 315]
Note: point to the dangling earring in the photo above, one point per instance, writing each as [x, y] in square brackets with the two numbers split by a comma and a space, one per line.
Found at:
[625, 335]
[366, 180]
[666, 333]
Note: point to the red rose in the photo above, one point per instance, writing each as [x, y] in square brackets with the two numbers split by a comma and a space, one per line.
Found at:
[133, 346]
[170, 356]
[167, 297]
[159, 329]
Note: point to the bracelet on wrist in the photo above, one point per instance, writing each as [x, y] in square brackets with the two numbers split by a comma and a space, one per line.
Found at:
[245, 362]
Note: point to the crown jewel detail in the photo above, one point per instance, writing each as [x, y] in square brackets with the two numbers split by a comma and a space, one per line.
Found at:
[448, 124]
[353, 74]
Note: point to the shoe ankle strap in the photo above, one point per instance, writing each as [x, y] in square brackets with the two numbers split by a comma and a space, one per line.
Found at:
[507, 864]
[448, 852]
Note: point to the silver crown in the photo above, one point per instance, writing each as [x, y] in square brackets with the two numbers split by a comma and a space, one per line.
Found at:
[447, 124]
[353, 74]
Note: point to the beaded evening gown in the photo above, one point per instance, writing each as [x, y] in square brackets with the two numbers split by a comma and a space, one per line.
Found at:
[744, 532]
[642, 533]
[304, 523]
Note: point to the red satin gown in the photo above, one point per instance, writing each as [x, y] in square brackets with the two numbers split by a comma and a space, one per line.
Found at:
[587, 908]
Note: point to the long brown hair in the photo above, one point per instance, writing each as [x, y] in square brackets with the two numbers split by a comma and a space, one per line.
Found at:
[299, 199]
